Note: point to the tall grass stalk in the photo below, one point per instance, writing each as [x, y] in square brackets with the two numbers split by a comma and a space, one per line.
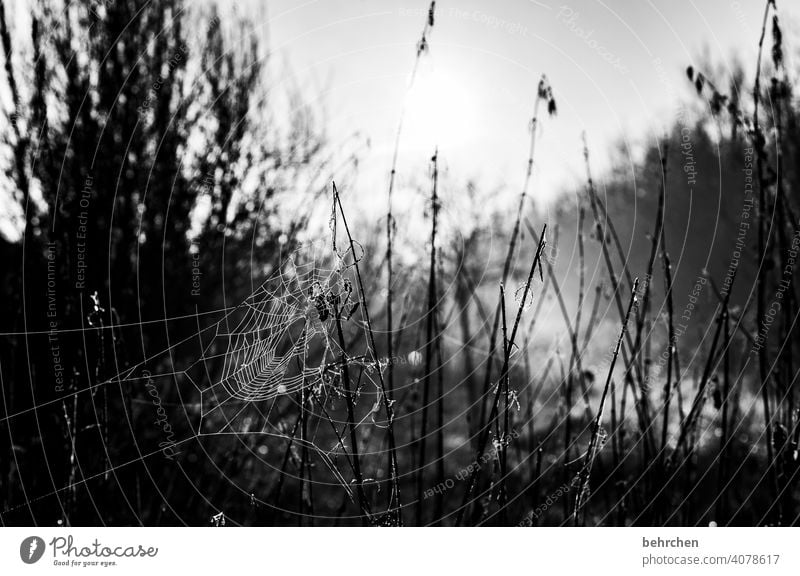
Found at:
[390, 223]
[430, 342]
[575, 364]
[722, 502]
[505, 437]
[642, 403]
[351, 420]
[761, 256]
[395, 503]
[486, 428]
[591, 452]
[544, 93]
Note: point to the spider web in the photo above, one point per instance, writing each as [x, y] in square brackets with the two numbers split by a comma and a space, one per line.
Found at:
[273, 344]
[267, 349]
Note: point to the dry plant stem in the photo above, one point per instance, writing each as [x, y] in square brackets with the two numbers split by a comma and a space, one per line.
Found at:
[722, 513]
[672, 352]
[671, 344]
[687, 426]
[389, 216]
[389, 298]
[395, 503]
[71, 424]
[463, 297]
[738, 319]
[642, 403]
[512, 244]
[763, 360]
[538, 475]
[567, 433]
[676, 388]
[786, 367]
[784, 360]
[286, 455]
[591, 452]
[575, 356]
[308, 488]
[642, 406]
[351, 422]
[537, 311]
[303, 458]
[503, 499]
[656, 241]
[615, 449]
[440, 474]
[542, 296]
[530, 401]
[508, 344]
[486, 428]
[430, 345]
[582, 274]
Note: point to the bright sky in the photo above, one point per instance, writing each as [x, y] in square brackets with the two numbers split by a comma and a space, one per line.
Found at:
[616, 67]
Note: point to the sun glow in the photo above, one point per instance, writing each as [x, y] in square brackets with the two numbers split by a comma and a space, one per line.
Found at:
[441, 110]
